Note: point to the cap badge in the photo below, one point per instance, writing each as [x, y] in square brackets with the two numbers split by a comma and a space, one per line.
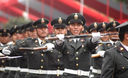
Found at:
[76, 16]
[60, 20]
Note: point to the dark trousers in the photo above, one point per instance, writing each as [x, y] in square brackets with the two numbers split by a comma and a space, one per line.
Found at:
[36, 76]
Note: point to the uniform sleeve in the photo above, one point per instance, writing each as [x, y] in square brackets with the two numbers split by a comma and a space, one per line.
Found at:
[108, 65]
[90, 45]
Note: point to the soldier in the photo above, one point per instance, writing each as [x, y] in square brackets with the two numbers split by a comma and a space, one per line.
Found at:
[5, 36]
[103, 45]
[111, 29]
[93, 27]
[5, 62]
[56, 65]
[77, 51]
[31, 30]
[37, 60]
[115, 60]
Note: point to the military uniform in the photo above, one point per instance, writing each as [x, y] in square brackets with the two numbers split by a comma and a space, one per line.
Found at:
[116, 59]
[97, 62]
[55, 57]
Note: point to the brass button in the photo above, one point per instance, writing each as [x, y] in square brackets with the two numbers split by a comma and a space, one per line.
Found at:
[36, 41]
[57, 75]
[58, 60]
[41, 67]
[51, 51]
[123, 67]
[42, 54]
[42, 60]
[121, 48]
[3, 61]
[67, 52]
[58, 67]
[32, 52]
[53, 41]
[77, 58]
[82, 46]
[77, 52]
[77, 64]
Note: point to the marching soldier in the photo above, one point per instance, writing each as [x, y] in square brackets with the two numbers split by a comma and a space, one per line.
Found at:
[115, 60]
[103, 45]
[77, 51]
[111, 29]
[56, 64]
[4, 62]
[93, 27]
[37, 60]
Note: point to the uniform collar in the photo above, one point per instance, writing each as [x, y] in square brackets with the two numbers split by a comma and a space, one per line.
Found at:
[126, 47]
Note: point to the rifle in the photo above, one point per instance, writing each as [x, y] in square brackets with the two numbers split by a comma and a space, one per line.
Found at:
[78, 36]
[33, 48]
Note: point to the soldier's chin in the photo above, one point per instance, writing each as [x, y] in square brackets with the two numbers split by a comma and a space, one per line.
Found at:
[127, 37]
[75, 33]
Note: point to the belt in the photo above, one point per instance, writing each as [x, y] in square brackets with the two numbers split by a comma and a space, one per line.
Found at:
[24, 70]
[12, 68]
[57, 72]
[2, 68]
[37, 71]
[77, 72]
[49, 72]
[97, 71]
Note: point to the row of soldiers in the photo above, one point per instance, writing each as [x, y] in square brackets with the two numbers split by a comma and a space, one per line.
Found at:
[28, 51]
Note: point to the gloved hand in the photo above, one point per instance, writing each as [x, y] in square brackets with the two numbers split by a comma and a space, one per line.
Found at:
[6, 51]
[60, 36]
[101, 53]
[95, 36]
[1, 55]
[49, 46]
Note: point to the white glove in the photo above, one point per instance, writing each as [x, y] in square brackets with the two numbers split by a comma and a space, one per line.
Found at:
[60, 36]
[1, 55]
[95, 36]
[49, 46]
[101, 53]
[6, 51]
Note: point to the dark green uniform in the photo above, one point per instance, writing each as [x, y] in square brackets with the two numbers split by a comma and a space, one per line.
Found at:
[97, 62]
[115, 63]
[77, 57]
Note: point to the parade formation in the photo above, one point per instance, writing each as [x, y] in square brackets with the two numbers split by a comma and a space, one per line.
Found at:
[73, 50]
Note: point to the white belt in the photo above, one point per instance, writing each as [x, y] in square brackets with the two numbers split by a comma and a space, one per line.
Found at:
[12, 68]
[24, 70]
[97, 71]
[57, 72]
[77, 72]
[37, 71]
[50, 72]
[2, 68]
[91, 76]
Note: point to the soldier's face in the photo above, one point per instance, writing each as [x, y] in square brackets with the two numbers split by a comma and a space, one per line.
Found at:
[104, 38]
[25, 34]
[20, 36]
[33, 34]
[6, 39]
[126, 36]
[42, 32]
[76, 28]
[14, 37]
[60, 31]
[114, 37]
